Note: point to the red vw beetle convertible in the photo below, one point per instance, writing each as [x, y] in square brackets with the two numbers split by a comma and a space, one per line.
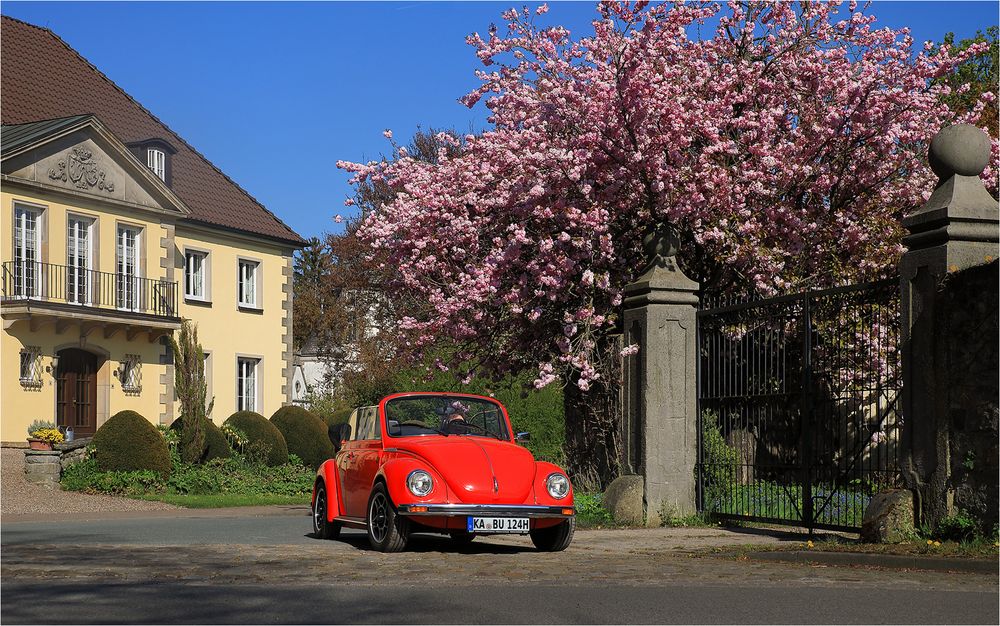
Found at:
[442, 463]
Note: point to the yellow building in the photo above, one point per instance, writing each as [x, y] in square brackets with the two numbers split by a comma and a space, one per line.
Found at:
[112, 230]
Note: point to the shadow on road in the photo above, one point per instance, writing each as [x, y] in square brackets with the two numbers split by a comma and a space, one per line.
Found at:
[441, 544]
[790, 535]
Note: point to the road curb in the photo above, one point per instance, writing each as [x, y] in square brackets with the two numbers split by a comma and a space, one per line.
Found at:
[890, 561]
[96, 516]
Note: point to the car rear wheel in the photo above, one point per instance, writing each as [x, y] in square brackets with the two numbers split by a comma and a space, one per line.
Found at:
[322, 527]
[387, 532]
[554, 538]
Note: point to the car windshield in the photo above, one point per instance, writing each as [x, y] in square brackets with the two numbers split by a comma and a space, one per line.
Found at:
[445, 415]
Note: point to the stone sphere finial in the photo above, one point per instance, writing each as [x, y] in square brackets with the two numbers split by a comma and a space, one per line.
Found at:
[962, 149]
[660, 242]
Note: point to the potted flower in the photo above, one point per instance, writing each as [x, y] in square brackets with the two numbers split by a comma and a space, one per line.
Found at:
[41, 435]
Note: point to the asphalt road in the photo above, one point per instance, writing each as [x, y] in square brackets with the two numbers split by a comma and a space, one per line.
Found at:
[227, 568]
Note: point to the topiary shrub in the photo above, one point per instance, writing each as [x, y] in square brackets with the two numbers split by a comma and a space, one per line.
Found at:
[305, 433]
[261, 433]
[215, 446]
[129, 442]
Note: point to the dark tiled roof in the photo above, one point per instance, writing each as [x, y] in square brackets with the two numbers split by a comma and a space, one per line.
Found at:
[43, 78]
[14, 137]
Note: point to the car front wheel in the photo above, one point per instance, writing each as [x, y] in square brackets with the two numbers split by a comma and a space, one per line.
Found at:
[554, 538]
[322, 527]
[387, 532]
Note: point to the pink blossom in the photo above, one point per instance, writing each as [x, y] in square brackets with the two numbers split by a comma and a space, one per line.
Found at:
[630, 350]
[746, 139]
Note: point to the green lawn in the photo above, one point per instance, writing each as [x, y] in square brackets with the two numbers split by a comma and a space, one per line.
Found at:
[222, 500]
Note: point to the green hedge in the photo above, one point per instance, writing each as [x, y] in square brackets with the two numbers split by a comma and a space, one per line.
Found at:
[260, 433]
[216, 446]
[305, 434]
[129, 442]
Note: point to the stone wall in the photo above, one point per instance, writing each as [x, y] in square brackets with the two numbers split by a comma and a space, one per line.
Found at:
[46, 467]
[969, 343]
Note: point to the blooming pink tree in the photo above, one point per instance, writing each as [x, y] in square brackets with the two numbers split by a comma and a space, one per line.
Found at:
[784, 148]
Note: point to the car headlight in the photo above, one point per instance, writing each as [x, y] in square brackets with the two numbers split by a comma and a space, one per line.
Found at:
[419, 483]
[558, 485]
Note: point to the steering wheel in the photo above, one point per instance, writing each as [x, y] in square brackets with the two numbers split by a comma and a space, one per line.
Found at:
[466, 425]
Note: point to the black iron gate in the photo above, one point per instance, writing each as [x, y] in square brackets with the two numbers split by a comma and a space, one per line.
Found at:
[799, 405]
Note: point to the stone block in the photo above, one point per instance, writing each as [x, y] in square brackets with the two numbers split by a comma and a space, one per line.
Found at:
[888, 517]
[38, 457]
[624, 500]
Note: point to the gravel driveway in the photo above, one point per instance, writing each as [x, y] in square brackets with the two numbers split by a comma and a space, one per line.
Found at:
[19, 497]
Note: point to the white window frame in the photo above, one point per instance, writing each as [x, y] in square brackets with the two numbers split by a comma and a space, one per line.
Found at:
[156, 160]
[128, 296]
[77, 274]
[209, 396]
[248, 283]
[27, 272]
[203, 265]
[247, 383]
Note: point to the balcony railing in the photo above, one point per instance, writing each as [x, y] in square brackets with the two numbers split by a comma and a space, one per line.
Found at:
[45, 282]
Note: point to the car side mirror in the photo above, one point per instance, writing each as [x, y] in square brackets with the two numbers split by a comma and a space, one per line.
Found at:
[523, 436]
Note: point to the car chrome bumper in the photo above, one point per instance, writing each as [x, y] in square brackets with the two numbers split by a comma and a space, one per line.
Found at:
[486, 510]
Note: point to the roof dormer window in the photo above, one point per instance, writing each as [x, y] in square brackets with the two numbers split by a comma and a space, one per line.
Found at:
[156, 153]
[157, 161]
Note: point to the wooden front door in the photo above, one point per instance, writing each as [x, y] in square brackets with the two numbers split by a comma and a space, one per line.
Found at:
[76, 391]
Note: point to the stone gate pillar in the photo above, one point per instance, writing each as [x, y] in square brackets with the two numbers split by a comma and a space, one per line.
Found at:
[955, 229]
[659, 430]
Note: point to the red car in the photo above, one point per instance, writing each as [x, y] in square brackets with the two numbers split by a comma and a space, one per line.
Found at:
[441, 463]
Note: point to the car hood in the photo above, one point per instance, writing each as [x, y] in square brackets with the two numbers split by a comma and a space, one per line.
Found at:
[470, 464]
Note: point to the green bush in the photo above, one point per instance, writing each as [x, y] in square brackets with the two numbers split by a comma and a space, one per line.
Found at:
[215, 447]
[232, 475]
[958, 527]
[87, 477]
[305, 434]
[590, 511]
[261, 435]
[129, 442]
[720, 464]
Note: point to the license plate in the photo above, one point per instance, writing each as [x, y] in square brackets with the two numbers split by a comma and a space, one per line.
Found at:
[498, 525]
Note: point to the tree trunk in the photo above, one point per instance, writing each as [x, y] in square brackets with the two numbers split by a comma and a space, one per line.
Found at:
[593, 422]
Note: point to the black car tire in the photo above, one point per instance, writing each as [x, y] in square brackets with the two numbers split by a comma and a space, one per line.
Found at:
[387, 531]
[322, 527]
[462, 537]
[554, 538]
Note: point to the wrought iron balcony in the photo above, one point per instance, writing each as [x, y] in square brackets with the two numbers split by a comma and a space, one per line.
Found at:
[124, 294]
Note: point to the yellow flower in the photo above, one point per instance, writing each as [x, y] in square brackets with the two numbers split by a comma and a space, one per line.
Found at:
[930, 542]
[937, 543]
[51, 435]
[809, 543]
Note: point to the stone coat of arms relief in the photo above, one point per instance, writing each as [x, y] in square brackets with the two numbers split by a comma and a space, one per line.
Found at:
[80, 168]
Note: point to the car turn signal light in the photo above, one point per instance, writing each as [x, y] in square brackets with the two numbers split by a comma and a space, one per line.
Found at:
[567, 511]
[418, 509]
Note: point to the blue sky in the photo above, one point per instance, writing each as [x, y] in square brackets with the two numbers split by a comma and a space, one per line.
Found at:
[275, 93]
